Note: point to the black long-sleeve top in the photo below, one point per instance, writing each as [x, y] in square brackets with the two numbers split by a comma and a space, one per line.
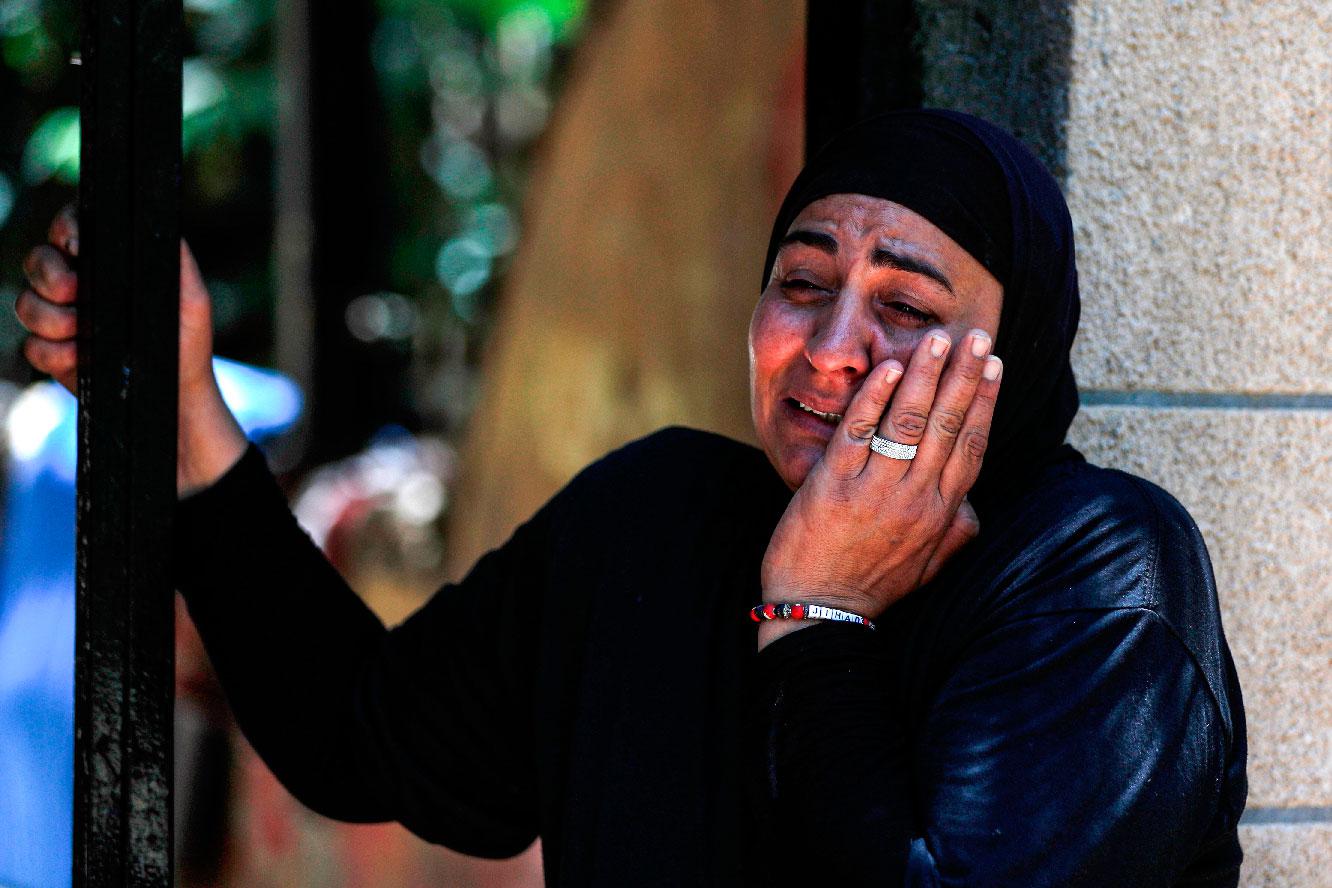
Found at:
[1058, 707]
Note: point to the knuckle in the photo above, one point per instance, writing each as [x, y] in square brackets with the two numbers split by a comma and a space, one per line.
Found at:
[23, 308]
[43, 268]
[54, 358]
[969, 370]
[65, 224]
[909, 421]
[34, 352]
[859, 429]
[64, 325]
[948, 421]
[63, 286]
[974, 444]
[912, 513]
[32, 264]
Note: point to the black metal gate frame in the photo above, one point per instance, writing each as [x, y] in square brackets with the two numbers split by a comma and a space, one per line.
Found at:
[129, 266]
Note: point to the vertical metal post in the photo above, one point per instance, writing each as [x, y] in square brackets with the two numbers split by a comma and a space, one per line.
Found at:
[129, 268]
[860, 59]
[356, 386]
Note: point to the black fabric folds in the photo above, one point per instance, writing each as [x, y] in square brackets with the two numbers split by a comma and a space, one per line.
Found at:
[1060, 710]
[989, 193]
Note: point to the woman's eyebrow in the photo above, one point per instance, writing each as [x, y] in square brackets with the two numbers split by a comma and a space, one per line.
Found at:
[882, 257]
[816, 239]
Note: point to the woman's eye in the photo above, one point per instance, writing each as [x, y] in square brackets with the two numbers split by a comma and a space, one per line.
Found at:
[802, 287]
[910, 312]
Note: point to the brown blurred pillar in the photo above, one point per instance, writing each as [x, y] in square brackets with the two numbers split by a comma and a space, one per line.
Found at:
[628, 304]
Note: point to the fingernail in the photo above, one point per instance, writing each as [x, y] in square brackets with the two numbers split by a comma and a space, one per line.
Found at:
[72, 246]
[894, 370]
[938, 344]
[980, 343]
[993, 367]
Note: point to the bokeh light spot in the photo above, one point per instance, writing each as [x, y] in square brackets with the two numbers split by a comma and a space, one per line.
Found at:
[209, 7]
[378, 316]
[521, 112]
[201, 88]
[463, 265]
[34, 415]
[53, 148]
[523, 39]
[394, 48]
[459, 167]
[493, 226]
[7, 195]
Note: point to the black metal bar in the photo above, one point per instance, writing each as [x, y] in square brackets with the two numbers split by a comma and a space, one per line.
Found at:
[356, 387]
[129, 268]
[860, 59]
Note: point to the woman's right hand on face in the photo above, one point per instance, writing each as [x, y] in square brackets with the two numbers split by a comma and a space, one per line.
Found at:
[209, 439]
[864, 530]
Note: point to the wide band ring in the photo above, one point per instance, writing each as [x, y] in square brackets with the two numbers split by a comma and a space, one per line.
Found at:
[892, 449]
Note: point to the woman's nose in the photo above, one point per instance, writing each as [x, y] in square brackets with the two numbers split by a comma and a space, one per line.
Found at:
[843, 340]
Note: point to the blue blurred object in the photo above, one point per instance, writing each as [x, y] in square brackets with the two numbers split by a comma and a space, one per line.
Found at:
[37, 614]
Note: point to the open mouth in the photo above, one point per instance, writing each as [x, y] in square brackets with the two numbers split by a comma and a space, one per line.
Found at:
[831, 418]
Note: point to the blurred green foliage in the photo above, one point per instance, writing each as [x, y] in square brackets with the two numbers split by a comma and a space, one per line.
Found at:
[467, 86]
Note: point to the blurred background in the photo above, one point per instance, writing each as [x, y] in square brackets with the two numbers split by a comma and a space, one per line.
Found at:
[379, 194]
[458, 249]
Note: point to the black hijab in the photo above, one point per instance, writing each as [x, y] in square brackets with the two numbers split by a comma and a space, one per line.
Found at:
[989, 193]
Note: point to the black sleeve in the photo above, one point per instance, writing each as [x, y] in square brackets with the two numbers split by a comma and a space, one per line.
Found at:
[428, 724]
[1072, 748]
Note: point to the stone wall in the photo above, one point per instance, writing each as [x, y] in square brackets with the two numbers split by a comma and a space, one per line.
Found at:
[1194, 140]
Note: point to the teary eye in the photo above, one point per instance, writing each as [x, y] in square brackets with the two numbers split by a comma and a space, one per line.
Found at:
[803, 288]
[910, 313]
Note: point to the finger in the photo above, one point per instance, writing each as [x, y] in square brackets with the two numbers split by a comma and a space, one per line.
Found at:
[64, 230]
[194, 302]
[964, 528]
[910, 408]
[949, 410]
[58, 359]
[847, 451]
[50, 275]
[964, 463]
[44, 319]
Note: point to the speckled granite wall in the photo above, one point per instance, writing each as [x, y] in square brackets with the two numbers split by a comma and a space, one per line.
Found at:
[1195, 144]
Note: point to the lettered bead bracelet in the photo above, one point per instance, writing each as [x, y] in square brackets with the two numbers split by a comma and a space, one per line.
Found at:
[798, 611]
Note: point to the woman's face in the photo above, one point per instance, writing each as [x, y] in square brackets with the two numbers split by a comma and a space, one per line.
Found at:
[857, 280]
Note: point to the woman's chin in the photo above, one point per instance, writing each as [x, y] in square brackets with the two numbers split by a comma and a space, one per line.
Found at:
[795, 462]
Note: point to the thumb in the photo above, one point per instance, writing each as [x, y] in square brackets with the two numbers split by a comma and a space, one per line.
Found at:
[963, 529]
[195, 306]
[196, 321]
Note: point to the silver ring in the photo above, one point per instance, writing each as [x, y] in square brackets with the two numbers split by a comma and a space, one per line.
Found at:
[892, 449]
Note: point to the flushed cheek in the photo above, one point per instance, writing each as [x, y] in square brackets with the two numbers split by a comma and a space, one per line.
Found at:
[777, 335]
[776, 341]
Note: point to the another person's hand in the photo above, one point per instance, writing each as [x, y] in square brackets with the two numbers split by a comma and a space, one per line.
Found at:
[209, 440]
[864, 529]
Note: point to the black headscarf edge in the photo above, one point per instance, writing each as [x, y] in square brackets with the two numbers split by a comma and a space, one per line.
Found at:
[990, 194]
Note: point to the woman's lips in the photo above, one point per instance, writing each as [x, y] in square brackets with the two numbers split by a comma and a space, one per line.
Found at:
[827, 415]
[818, 422]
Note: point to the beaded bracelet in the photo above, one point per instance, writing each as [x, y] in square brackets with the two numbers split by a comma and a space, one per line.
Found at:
[797, 611]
